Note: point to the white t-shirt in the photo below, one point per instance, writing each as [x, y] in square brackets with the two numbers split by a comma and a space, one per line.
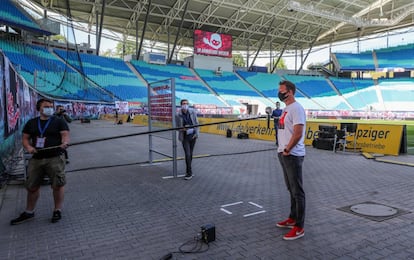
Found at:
[292, 115]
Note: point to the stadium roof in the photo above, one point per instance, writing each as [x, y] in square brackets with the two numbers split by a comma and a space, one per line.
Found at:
[296, 24]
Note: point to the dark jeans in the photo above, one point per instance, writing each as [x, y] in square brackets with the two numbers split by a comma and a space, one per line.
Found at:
[277, 143]
[292, 172]
[188, 145]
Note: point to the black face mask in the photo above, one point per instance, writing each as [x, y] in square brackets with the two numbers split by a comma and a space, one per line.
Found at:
[282, 96]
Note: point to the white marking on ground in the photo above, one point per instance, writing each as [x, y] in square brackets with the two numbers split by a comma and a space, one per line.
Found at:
[232, 204]
[254, 204]
[254, 213]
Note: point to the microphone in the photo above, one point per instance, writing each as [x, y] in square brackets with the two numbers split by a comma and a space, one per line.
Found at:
[268, 112]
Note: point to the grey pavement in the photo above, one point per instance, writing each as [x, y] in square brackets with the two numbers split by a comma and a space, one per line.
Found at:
[117, 206]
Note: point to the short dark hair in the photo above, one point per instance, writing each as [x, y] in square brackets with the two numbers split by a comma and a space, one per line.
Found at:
[183, 100]
[41, 101]
[289, 85]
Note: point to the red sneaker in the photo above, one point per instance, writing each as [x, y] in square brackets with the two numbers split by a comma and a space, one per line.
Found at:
[294, 233]
[288, 223]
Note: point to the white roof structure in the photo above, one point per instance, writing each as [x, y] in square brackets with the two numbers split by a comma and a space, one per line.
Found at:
[257, 25]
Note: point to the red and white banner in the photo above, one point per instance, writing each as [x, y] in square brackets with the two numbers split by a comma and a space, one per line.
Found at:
[212, 44]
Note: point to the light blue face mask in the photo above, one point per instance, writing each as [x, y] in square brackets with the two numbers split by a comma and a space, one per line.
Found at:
[48, 111]
[184, 106]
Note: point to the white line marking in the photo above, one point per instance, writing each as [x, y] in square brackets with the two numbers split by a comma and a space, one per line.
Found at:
[254, 204]
[232, 204]
[170, 177]
[224, 210]
[254, 213]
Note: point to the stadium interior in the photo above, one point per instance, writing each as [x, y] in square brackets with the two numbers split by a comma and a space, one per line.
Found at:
[376, 83]
[377, 80]
[359, 107]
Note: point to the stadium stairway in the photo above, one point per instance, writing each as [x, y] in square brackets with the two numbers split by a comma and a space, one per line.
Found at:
[232, 89]
[322, 69]
[375, 59]
[338, 92]
[302, 97]
[253, 87]
[208, 87]
[335, 62]
[136, 73]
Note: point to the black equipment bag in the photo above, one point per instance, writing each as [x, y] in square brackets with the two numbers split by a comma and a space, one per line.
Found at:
[323, 143]
[229, 133]
[243, 136]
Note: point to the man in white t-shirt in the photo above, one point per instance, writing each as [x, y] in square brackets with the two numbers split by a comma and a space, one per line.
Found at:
[291, 153]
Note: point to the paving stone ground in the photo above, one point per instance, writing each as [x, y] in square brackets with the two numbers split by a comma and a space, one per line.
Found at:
[119, 207]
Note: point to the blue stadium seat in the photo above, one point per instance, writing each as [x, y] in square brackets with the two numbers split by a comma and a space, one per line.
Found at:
[11, 15]
[268, 84]
[226, 84]
[396, 57]
[349, 85]
[187, 85]
[53, 77]
[352, 62]
[397, 90]
[312, 86]
[112, 74]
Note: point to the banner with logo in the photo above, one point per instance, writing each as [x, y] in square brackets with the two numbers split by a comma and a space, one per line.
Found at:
[212, 44]
[382, 139]
[371, 138]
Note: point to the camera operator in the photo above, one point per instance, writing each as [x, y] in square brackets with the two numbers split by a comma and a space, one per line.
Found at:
[61, 113]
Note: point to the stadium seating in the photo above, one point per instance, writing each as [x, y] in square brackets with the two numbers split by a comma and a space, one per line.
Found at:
[349, 85]
[227, 84]
[396, 57]
[321, 94]
[352, 87]
[187, 85]
[52, 76]
[397, 94]
[56, 79]
[362, 99]
[352, 62]
[267, 84]
[231, 87]
[111, 74]
[382, 59]
[312, 86]
[10, 14]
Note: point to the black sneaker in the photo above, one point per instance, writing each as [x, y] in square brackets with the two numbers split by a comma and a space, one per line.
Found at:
[188, 177]
[57, 215]
[22, 218]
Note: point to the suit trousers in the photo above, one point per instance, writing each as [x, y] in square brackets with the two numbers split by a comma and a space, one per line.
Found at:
[188, 145]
